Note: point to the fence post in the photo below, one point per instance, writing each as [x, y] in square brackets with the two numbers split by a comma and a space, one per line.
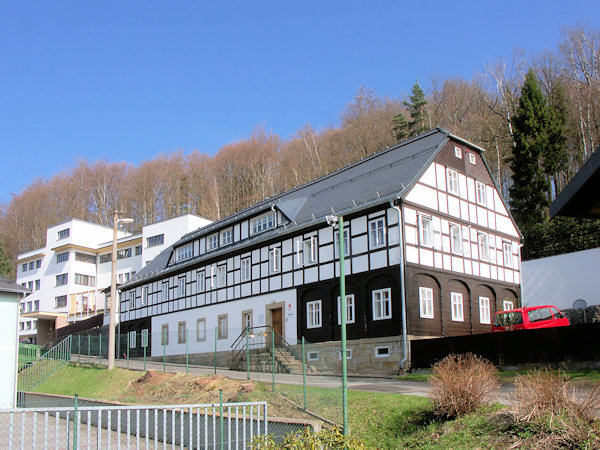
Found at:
[128, 344]
[304, 372]
[221, 417]
[79, 347]
[273, 351]
[164, 352]
[187, 354]
[144, 358]
[216, 336]
[119, 341]
[89, 346]
[247, 356]
[75, 422]
[100, 348]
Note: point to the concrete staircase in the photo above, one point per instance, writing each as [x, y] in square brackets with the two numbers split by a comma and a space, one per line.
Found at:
[261, 360]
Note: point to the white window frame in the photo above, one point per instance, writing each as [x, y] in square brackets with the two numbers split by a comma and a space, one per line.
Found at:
[480, 193]
[226, 236]
[458, 152]
[184, 252]
[377, 233]
[245, 269]
[222, 276]
[483, 244]
[508, 254]
[484, 310]
[309, 251]
[144, 338]
[212, 241]
[426, 310]
[164, 291]
[274, 260]
[350, 309]
[457, 307]
[452, 181]
[312, 355]
[425, 230]
[200, 329]
[132, 339]
[386, 354]
[336, 243]
[383, 298]
[456, 239]
[348, 353]
[314, 313]
[181, 290]
[200, 281]
[132, 299]
[263, 222]
[472, 158]
[144, 295]
[507, 305]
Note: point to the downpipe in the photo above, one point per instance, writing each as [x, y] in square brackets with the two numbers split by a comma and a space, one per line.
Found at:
[402, 285]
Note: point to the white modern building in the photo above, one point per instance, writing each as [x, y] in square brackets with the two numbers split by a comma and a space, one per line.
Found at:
[68, 276]
[10, 293]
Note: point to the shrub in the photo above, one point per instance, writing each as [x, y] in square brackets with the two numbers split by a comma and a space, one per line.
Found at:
[565, 414]
[308, 439]
[461, 384]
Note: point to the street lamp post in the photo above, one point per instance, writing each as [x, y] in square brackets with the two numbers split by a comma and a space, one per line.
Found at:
[117, 218]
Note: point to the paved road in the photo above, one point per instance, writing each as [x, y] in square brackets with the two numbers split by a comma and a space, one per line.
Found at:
[370, 384]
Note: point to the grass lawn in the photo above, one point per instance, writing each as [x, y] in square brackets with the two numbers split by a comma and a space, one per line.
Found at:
[381, 420]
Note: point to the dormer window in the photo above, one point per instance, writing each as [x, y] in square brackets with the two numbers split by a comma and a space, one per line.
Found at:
[227, 236]
[63, 234]
[472, 159]
[212, 241]
[263, 223]
[184, 252]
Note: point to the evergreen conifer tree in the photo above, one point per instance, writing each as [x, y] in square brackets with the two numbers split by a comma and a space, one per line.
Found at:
[416, 109]
[528, 194]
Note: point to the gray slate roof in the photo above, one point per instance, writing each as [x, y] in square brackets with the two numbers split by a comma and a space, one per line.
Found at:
[377, 179]
[7, 285]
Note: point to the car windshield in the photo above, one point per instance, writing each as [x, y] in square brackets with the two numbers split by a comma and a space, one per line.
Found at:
[508, 318]
[537, 315]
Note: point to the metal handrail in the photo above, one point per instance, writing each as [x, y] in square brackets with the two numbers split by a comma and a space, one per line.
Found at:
[260, 339]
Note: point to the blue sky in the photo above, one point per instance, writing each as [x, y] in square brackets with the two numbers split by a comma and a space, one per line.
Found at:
[127, 80]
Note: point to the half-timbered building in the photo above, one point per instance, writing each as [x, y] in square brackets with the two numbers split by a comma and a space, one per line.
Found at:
[423, 220]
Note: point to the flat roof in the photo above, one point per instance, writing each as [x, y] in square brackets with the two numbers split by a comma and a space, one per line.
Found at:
[581, 196]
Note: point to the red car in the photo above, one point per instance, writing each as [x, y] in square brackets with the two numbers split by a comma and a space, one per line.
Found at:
[529, 318]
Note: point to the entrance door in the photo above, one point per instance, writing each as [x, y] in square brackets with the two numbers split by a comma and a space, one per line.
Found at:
[277, 324]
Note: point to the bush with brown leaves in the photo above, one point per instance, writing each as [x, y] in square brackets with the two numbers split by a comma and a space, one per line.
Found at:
[568, 415]
[461, 384]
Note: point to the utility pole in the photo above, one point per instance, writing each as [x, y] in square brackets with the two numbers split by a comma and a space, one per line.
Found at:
[117, 218]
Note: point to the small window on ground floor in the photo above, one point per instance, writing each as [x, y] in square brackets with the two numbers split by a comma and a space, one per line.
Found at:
[313, 355]
[348, 353]
[201, 329]
[222, 328]
[132, 339]
[382, 351]
[181, 333]
[164, 334]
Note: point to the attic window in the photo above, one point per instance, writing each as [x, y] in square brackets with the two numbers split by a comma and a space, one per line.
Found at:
[458, 152]
[184, 252]
[472, 159]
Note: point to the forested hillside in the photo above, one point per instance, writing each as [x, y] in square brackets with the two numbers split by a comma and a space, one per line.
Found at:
[481, 109]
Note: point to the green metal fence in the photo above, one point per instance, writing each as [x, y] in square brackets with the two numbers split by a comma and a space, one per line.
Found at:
[33, 373]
